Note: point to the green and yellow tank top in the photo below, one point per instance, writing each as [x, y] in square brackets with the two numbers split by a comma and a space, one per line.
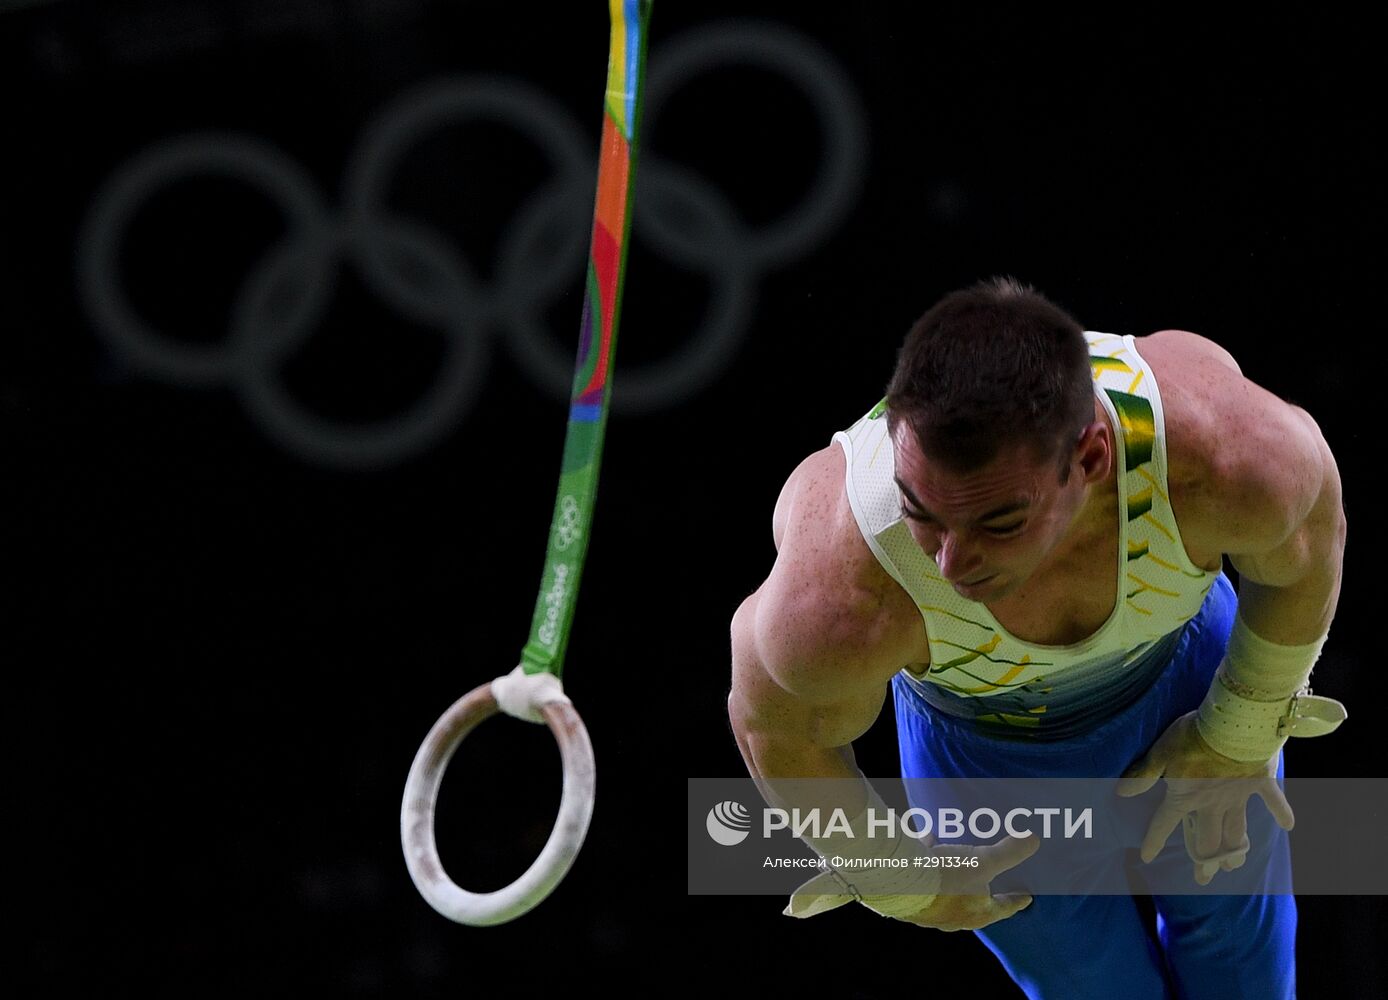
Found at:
[1025, 690]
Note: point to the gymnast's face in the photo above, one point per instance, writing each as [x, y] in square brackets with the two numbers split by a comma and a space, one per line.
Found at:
[992, 529]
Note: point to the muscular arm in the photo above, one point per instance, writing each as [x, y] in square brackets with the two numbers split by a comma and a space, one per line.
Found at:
[812, 650]
[784, 735]
[797, 719]
[1274, 507]
[1290, 586]
[1259, 485]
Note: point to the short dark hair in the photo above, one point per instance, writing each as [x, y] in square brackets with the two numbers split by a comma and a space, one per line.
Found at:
[991, 365]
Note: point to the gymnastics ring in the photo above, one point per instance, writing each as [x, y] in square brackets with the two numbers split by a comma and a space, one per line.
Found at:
[555, 859]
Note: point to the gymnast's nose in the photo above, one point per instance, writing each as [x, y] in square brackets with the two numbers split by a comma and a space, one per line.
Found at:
[959, 561]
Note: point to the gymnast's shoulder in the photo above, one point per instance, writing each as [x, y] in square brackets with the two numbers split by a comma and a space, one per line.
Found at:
[1244, 465]
[830, 617]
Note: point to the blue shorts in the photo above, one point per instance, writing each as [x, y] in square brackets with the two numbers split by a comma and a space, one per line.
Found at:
[1075, 947]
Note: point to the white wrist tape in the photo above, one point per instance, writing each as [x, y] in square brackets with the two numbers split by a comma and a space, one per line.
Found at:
[523, 695]
[874, 865]
[1260, 697]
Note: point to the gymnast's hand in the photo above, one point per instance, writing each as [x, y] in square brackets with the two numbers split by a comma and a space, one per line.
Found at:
[1206, 791]
[963, 901]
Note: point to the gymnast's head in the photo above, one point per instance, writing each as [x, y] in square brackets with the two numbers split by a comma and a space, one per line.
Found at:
[995, 431]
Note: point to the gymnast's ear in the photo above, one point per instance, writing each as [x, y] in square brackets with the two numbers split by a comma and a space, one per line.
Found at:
[1092, 456]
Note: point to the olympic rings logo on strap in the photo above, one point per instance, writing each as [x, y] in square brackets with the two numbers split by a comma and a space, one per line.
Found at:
[569, 523]
[421, 275]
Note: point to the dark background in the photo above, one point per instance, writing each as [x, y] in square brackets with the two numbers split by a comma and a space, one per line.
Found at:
[229, 644]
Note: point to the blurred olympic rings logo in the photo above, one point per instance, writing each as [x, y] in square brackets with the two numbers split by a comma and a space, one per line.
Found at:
[569, 524]
[419, 273]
